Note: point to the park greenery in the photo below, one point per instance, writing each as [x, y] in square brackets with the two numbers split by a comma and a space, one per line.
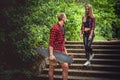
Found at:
[25, 24]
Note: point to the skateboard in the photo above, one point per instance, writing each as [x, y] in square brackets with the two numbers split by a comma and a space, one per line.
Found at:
[60, 57]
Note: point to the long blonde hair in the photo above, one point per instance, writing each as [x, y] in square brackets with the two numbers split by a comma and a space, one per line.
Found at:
[90, 12]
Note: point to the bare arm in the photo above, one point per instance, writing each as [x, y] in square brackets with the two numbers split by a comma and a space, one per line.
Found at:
[51, 57]
[65, 50]
[51, 50]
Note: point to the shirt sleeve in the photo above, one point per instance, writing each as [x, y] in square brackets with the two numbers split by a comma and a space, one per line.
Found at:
[52, 36]
[93, 23]
[82, 27]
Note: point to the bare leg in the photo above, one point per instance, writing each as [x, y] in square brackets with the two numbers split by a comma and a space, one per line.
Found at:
[51, 72]
[65, 68]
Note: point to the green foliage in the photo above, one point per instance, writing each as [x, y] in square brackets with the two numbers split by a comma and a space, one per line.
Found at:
[46, 14]
[105, 16]
[29, 37]
[74, 16]
[27, 26]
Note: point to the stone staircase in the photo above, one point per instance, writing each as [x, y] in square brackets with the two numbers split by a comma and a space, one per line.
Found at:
[104, 66]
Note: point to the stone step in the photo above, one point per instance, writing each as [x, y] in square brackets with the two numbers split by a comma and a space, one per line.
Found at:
[94, 51]
[86, 73]
[96, 56]
[80, 46]
[104, 66]
[59, 77]
[93, 67]
[117, 42]
[97, 61]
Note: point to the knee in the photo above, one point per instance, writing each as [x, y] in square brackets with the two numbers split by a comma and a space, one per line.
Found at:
[88, 46]
[65, 67]
[51, 69]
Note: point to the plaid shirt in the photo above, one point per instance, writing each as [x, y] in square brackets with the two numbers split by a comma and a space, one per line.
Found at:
[57, 39]
[91, 23]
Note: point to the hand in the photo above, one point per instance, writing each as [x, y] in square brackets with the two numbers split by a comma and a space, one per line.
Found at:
[90, 37]
[81, 36]
[52, 57]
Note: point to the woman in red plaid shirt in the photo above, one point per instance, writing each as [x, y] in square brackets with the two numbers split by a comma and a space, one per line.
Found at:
[57, 42]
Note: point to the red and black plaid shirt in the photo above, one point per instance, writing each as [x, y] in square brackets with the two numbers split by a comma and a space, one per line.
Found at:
[91, 22]
[57, 40]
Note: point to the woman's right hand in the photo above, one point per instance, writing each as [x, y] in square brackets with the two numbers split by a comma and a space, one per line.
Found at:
[81, 36]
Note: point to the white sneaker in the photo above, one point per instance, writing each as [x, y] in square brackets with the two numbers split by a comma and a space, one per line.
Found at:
[91, 56]
[87, 63]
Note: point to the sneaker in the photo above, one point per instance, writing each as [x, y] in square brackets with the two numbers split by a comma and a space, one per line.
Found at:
[87, 63]
[91, 56]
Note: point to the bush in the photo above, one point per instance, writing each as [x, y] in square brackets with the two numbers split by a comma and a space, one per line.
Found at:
[26, 24]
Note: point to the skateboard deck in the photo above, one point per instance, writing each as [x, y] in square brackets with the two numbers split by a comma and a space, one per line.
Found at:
[60, 57]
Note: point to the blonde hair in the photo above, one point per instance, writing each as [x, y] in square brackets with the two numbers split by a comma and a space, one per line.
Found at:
[90, 12]
[60, 16]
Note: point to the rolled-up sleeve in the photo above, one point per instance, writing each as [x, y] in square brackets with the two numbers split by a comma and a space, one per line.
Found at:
[52, 36]
[93, 23]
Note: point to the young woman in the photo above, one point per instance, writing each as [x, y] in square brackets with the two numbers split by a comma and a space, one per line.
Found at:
[87, 30]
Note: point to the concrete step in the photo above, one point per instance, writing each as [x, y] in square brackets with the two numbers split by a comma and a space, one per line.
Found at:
[88, 73]
[116, 42]
[96, 56]
[97, 61]
[81, 46]
[94, 51]
[100, 67]
[104, 66]
[59, 77]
